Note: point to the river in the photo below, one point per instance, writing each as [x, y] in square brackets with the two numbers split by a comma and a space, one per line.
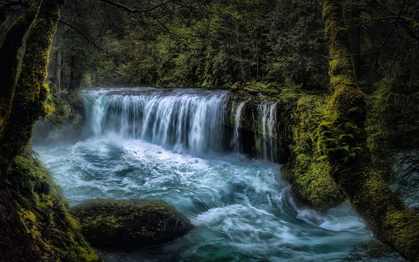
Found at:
[146, 143]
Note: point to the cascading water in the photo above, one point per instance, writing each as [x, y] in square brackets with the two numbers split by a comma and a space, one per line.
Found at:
[267, 119]
[236, 137]
[173, 119]
[148, 143]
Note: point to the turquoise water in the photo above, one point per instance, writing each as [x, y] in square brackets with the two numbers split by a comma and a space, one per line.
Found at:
[242, 208]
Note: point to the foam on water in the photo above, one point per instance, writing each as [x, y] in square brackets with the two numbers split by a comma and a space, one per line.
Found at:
[242, 209]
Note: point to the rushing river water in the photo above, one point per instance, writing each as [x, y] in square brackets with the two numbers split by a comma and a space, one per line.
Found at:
[156, 144]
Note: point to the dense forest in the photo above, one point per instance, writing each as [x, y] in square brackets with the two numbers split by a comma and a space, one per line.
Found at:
[292, 107]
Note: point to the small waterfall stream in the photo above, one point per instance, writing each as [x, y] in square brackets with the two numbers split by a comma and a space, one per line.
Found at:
[267, 119]
[175, 145]
[235, 142]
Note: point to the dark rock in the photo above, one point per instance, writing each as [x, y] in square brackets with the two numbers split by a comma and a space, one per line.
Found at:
[121, 224]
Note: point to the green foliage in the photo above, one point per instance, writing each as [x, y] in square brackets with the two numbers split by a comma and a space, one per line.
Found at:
[294, 52]
[331, 141]
[393, 124]
[210, 44]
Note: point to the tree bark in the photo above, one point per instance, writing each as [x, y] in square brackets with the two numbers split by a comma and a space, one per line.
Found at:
[9, 61]
[30, 94]
[58, 65]
[342, 138]
[24, 106]
[356, 40]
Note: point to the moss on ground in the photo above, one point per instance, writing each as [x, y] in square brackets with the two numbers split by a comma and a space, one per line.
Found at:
[44, 212]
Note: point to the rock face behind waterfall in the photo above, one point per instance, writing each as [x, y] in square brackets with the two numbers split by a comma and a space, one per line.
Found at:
[130, 223]
[65, 123]
[281, 128]
[259, 126]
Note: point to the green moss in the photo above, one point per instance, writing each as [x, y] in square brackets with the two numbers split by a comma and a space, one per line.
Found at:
[133, 223]
[308, 172]
[44, 213]
[31, 93]
[343, 143]
[47, 110]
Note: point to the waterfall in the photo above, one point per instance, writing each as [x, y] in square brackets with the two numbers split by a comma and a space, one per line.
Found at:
[262, 113]
[272, 131]
[236, 136]
[195, 121]
[267, 121]
[175, 119]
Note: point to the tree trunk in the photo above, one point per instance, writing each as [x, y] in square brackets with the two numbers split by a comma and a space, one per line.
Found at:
[58, 66]
[9, 61]
[343, 139]
[58, 70]
[30, 94]
[74, 74]
[356, 39]
[16, 243]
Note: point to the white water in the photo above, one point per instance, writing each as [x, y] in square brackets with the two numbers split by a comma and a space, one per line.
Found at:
[267, 119]
[236, 138]
[181, 119]
[155, 144]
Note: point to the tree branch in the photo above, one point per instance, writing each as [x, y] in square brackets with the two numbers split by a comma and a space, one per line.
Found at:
[132, 10]
[378, 51]
[85, 37]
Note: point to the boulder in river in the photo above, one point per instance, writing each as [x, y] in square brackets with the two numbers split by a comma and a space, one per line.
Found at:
[130, 223]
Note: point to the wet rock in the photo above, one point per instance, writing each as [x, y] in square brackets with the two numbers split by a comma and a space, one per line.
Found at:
[121, 224]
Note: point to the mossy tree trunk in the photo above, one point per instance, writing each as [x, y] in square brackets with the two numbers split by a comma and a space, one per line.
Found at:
[9, 62]
[343, 139]
[21, 104]
[31, 93]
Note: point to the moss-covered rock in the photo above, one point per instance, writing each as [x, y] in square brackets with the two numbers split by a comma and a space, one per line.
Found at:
[130, 223]
[307, 171]
[44, 213]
